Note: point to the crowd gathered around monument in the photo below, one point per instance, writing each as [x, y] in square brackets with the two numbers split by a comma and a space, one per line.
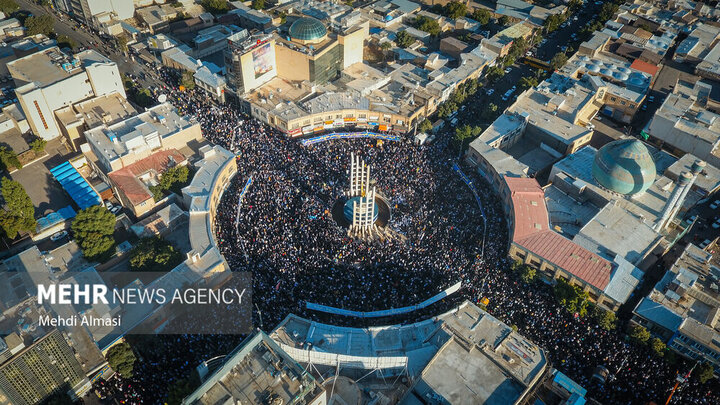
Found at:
[283, 232]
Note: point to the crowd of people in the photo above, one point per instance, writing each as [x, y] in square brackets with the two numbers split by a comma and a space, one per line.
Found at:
[287, 238]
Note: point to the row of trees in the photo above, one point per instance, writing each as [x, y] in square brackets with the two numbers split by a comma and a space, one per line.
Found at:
[463, 91]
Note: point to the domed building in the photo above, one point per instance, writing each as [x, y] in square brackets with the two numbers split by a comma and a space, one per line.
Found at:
[308, 30]
[624, 166]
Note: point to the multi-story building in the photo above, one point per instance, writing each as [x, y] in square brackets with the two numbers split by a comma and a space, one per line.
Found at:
[96, 12]
[50, 80]
[687, 122]
[34, 372]
[682, 308]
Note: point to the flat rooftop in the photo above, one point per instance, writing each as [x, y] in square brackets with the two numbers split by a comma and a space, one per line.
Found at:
[44, 67]
[258, 371]
[105, 110]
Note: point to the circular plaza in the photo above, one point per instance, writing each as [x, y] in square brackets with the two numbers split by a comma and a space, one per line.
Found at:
[290, 227]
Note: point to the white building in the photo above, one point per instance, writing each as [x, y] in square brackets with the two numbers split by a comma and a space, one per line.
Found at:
[49, 80]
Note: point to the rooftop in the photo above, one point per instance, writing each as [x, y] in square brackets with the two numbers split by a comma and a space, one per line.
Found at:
[255, 372]
[45, 67]
[105, 110]
[134, 180]
[530, 213]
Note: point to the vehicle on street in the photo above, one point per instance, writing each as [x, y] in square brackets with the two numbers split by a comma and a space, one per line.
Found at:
[691, 219]
[108, 204]
[489, 92]
[716, 224]
[58, 236]
[705, 243]
[651, 99]
[508, 70]
[116, 209]
[715, 204]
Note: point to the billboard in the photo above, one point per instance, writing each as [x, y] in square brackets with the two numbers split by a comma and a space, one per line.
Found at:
[263, 59]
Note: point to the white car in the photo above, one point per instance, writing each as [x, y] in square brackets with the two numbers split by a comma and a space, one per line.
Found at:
[715, 204]
[528, 53]
[58, 236]
[508, 70]
[116, 209]
[108, 204]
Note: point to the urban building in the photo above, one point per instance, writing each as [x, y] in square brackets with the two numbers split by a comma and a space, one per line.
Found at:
[214, 39]
[50, 80]
[97, 12]
[250, 374]
[682, 308]
[246, 17]
[687, 122]
[213, 84]
[698, 44]
[120, 144]
[464, 356]
[34, 372]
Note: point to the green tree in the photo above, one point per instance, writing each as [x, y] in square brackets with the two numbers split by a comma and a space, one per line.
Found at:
[446, 109]
[38, 145]
[575, 5]
[639, 334]
[455, 9]
[607, 11]
[528, 274]
[572, 297]
[403, 39]
[704, 372]
[464, 133]
[657, 346]
[41, 24]
[518, 47]
[93, 229]
[425, 126]
[481, 15]
[558, 61]
[154, 254]
[503, 21]
[553, 22]
[494, 73]
[215, 6]
[171, 180]
[605, 319]
[19, 213]
[527, 82]
[188, 80]
[8, 6]
[122, 359]
[65, 41]
[427, 24]
[8, 158]
[258, 4]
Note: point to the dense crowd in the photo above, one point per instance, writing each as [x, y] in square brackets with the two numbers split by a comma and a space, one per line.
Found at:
[288, 239]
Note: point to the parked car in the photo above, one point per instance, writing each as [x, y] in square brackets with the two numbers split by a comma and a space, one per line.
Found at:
[715, 204]
[651, 99]
[716, 224]
[108, 205]
[58, 236]
[489, 92]
[705, 243]
[691, 219]
[508, 70]
[528, 53]
[116, 209]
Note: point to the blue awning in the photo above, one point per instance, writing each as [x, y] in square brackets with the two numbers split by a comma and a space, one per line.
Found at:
[74, 184]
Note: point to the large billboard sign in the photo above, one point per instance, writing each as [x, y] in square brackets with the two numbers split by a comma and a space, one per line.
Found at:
[263, 59]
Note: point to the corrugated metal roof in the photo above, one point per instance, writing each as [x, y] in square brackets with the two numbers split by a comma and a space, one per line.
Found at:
[75, 184]
[569, 256]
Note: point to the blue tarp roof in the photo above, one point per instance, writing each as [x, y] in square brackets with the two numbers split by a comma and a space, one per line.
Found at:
[76, 185]
[571, 386]
[53, 218]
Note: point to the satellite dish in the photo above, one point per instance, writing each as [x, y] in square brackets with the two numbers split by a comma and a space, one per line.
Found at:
[162, 98]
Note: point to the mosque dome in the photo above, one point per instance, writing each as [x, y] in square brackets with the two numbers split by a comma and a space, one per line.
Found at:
[624, 166]
[308, 29]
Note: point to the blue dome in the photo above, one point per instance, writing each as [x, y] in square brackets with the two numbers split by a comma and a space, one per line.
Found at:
[624, 166]
[308, 29]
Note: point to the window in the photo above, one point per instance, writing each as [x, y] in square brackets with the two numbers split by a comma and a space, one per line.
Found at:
[613, 99]
[623, 102]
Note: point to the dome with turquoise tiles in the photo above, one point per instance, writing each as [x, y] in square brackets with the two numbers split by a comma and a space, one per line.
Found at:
[624, 166]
